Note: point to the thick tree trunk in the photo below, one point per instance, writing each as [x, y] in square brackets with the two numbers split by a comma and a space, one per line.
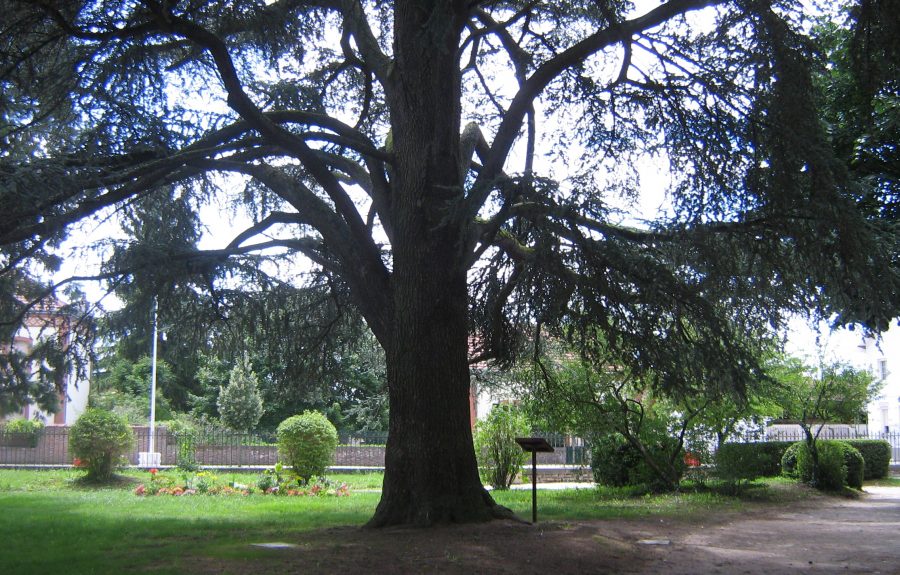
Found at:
[430, 469]
[431, 475]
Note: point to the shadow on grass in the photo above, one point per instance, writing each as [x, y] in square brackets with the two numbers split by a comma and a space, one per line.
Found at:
[99, 530]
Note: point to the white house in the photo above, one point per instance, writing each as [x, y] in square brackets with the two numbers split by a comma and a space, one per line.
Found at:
[44, 322]
[882, 358]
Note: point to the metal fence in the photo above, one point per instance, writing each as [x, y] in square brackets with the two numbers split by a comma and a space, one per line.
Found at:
[207, 447]
[217, 447]
[223, 448]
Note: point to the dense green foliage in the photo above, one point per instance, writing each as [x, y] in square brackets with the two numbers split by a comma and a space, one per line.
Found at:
[828, 472]
[240, 405]
[123, 387]
[856, 465]
[748, 461]
[877, 455]
[23, 429]
[99, 439]
[500, 458]
[840, 464]
[306, 443]
[617, 462]
[21, 425]
[185, 436]
[789, 460]
[810, 395]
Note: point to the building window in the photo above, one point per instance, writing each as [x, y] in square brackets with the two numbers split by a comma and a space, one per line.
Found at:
[882, 369]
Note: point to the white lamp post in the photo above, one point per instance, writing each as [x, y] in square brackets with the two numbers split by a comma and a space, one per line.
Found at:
[152, 458]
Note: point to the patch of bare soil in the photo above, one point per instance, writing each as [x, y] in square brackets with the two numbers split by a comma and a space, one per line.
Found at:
[818, 535]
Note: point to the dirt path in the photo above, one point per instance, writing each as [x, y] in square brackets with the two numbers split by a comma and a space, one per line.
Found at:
[820, 535]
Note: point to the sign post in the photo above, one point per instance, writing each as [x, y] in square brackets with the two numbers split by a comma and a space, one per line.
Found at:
[534, 445]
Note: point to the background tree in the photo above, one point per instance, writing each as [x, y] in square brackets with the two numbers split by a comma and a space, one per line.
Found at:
[500, 458]
[830, 393]
[620, 414]
[394, 145]
[123, 387]
[240, 404]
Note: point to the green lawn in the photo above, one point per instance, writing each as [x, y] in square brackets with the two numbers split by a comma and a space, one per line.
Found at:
[51, 523]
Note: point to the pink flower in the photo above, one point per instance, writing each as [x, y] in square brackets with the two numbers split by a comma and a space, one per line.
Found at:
[140, 489]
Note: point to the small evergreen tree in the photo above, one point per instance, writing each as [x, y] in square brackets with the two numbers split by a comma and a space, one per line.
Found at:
[240, 404]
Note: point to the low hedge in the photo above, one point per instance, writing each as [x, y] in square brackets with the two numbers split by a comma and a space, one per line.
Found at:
[855, 463]
[877, 453]
[747, 461]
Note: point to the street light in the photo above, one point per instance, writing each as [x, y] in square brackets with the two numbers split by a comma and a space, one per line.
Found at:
[152, 458]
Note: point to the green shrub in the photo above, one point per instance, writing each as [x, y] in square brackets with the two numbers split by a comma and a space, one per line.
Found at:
[22, 425]
[789, 460]
[99, 439]
[306, 443]
[832, 465]
[26, 430]
[747, 461]
[499, 456]
[617, 463]
[840, 464]
[877, 453]
[855, 463]
[185, 437]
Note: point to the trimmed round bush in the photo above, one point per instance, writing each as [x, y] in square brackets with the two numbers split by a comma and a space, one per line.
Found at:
[99, 439]
[306, 443]
[855, 464]
[832, 470]
[840, 464]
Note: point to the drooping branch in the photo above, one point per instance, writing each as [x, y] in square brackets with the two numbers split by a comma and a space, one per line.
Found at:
[294, 145]
[355, 264]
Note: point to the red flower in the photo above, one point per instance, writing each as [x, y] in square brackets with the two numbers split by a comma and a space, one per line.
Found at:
[154, 471]
[77, 462]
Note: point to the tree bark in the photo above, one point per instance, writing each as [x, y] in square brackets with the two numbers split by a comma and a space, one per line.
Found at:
[431, 475]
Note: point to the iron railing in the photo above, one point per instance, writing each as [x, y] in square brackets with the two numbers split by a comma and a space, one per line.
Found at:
[222, 448]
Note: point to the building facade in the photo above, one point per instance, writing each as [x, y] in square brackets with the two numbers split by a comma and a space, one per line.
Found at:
[882, 359]
[44, 322]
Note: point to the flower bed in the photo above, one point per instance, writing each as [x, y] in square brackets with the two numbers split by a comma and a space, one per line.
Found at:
[272, 482]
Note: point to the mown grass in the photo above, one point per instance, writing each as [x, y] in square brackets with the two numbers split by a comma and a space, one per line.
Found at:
[886, 482]
[51, 522]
